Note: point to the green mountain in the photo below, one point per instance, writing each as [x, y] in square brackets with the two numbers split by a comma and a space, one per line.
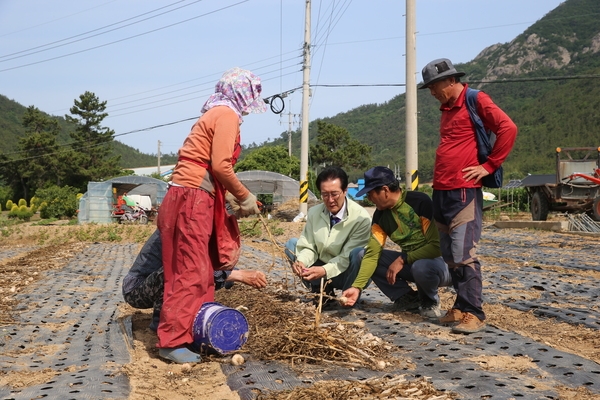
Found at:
[547, 79]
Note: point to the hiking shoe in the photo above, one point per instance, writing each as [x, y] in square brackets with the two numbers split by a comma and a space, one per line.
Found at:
[469, 324]
[430, 310]
[452, 315]
[407, 302]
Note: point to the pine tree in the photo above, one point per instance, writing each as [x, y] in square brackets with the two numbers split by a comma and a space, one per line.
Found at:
[91, 150]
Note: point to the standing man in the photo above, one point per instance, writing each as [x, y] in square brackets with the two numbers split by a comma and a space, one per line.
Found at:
[407, 219]
[457, 194]
[333, 229]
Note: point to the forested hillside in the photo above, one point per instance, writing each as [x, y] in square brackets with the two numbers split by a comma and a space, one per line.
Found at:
[547, 79]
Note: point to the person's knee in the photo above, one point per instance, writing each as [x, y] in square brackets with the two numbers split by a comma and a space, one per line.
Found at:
[357, 254]
[428, 271]
[290, 249]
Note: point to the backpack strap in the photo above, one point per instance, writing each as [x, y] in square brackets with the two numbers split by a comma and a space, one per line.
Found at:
[484, 138]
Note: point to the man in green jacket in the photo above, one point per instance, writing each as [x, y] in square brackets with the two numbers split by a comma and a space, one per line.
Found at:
[407, 219]
[333, 229]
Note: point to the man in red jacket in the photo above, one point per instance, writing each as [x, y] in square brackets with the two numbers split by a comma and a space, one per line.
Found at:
[457, 194]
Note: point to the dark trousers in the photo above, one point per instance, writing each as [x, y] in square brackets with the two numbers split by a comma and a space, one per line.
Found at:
[458, 216]
[428, 274]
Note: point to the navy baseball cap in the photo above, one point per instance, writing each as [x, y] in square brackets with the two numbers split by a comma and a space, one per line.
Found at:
[377, 177]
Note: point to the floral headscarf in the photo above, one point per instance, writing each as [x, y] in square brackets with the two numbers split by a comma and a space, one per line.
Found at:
[238, 89]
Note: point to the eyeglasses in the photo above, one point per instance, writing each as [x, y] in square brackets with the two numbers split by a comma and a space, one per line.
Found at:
[332, 195]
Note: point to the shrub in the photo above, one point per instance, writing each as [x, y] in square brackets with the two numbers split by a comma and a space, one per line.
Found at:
[57, 202]
[22, 202]
[14, 210]
[5, 194]
[9, 205]
[35, 203]
[24, 213]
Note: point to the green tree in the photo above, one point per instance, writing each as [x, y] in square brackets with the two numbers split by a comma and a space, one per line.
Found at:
[45, 161]
[39, 160]
[336, 147]
[91, 160]
[11, 175]
[271, 158]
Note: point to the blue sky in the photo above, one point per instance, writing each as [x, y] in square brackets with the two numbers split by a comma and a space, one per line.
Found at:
[156, 62]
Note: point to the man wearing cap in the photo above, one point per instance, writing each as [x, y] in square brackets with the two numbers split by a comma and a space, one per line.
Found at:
[406, 218]
[457, 194]
[333, 229]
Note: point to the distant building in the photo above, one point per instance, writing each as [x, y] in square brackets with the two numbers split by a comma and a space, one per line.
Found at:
[165, 170]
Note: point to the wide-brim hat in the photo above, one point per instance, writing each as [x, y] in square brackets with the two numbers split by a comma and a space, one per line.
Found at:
[377, 177]
[437, 70]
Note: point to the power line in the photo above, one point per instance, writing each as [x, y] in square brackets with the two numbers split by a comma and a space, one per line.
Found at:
[57, 19]
[94, 30]
[124, 39]
[208, 85]
[189, 99]
[533, 79]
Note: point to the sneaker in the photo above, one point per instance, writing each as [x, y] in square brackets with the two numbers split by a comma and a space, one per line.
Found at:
[407, 302]
[430, 310]
[180, 355]
[469, 324]
[452, 315]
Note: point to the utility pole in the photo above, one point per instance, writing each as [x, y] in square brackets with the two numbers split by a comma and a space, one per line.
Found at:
[158, 156]
[305, 103]
[412, 148]
[290, 124]
[290, 134]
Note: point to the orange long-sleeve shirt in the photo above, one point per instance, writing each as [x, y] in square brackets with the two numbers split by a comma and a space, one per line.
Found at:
[211, 141]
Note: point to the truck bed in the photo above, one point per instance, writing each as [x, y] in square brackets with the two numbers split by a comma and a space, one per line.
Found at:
[538, 180]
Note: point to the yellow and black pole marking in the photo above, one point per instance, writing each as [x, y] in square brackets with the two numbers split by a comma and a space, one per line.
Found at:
[304, 190]
[414, 180]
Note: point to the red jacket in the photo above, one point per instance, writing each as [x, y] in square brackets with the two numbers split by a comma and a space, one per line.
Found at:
[458, 145]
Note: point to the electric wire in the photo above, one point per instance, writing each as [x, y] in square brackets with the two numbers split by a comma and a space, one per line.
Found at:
[124, 39]
[514, 80]
[182, 101]
[207, 86]
[57, 19]
[94, 30]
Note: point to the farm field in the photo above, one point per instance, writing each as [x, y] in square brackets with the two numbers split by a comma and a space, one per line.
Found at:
[66, 332]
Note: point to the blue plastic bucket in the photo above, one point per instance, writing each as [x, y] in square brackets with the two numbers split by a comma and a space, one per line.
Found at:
[220, 328]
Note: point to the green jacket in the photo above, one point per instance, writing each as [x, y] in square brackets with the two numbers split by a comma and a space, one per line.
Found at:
[333, 245]
[410, 225]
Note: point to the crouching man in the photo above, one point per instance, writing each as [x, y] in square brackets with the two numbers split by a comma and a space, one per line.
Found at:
[406, 218]
[332, 230]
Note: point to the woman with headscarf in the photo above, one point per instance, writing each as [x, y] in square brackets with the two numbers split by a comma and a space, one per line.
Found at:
[185, 220]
